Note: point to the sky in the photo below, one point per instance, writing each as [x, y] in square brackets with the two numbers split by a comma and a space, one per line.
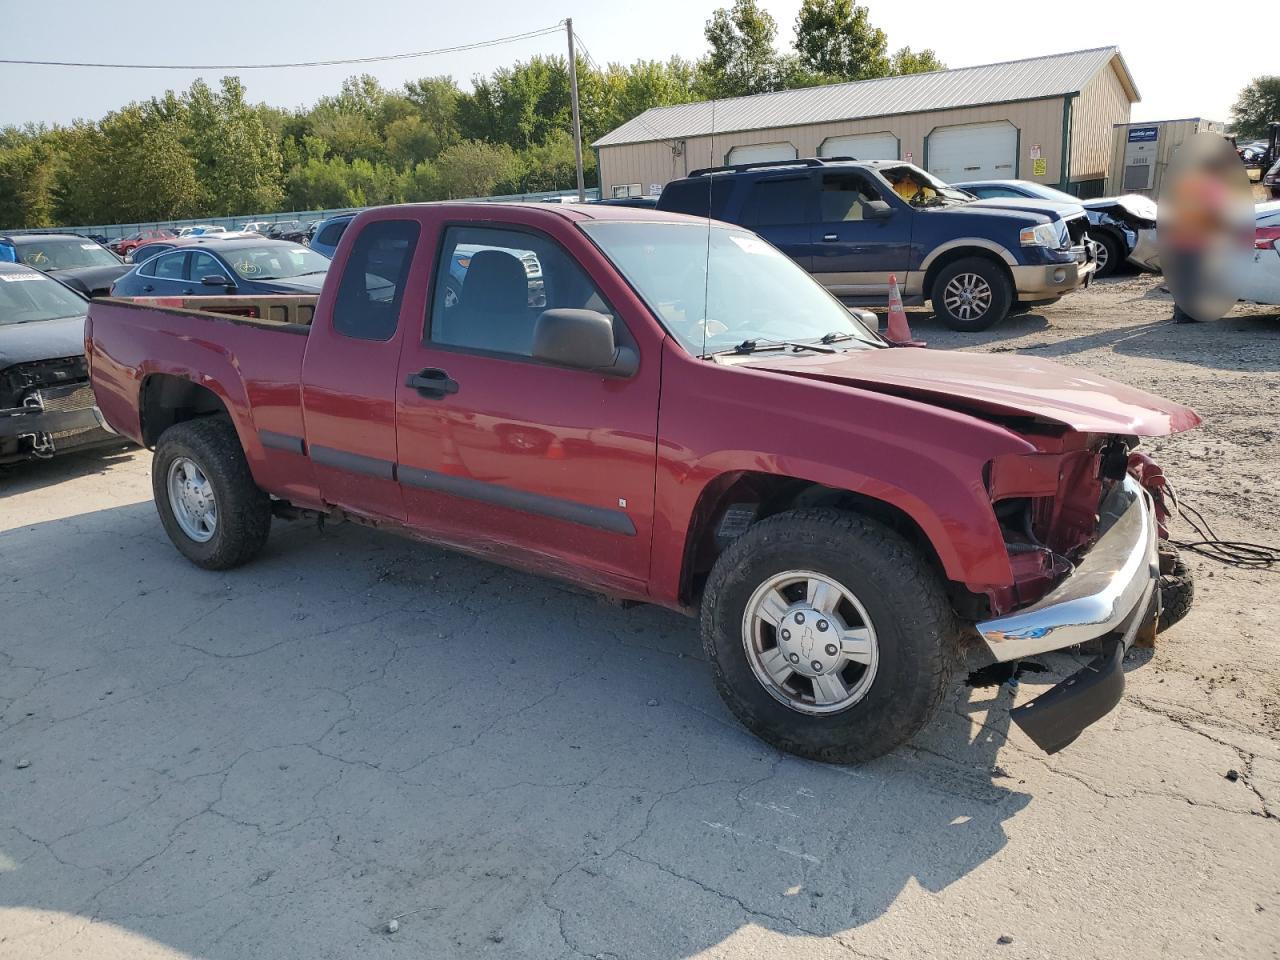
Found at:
[1186, 64]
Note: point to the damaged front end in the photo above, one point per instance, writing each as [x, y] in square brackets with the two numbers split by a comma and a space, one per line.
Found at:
[1082, 525]
[1134, 218]
[46, 408]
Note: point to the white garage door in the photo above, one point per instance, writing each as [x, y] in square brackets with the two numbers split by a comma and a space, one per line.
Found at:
[974, 151]
[861, 146]
[761, 153]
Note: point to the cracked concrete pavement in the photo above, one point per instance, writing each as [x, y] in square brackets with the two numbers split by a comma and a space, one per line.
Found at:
[276, 761]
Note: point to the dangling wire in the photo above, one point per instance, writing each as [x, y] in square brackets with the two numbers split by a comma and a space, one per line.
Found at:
[1233, 553]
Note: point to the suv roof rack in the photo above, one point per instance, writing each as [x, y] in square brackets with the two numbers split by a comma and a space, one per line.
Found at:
[767, 164]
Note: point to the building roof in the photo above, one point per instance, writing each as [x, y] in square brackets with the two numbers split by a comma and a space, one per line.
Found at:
[1032, 79]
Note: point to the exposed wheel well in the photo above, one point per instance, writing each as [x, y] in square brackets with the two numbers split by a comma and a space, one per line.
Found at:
[747, 497]
[167, 400]
[961, 253]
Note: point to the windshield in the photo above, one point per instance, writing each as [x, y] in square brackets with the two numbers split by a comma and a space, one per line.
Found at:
[920, 188]
[63, 253]
[275, 262]
[716, 287]
[27, 296]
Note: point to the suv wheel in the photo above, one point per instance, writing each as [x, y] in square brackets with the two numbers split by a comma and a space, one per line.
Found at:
[831, 637]
[971, 294]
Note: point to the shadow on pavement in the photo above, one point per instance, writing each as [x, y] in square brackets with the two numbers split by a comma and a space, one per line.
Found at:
[277, 760]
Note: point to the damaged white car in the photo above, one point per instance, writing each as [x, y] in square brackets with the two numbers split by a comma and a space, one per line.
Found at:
[1124, 228]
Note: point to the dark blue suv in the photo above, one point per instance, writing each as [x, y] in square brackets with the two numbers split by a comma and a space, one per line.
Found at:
[854, 223]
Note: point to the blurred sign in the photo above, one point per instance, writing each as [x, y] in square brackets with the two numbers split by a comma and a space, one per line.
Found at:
[909, 157]
[1144, 134]
[655, 189]
[1039, 167]
[1035, 151]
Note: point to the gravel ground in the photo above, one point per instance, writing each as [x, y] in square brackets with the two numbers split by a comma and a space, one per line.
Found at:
[280, 761]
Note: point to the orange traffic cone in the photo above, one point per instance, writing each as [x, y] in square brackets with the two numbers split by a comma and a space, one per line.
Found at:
[899, 333]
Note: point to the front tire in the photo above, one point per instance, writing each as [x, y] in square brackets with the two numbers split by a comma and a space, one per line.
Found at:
[830, 636]
[209, 505]
[971, 294]
[1109, 255]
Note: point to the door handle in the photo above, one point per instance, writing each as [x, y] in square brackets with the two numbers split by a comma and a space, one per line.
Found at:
[148, 288]
[432, 382]
[830, 237]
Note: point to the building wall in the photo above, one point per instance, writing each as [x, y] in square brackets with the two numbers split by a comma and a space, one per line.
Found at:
[1101, 105]
[1038, 122]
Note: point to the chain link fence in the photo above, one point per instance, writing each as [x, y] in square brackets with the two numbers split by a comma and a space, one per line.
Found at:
[114, 231]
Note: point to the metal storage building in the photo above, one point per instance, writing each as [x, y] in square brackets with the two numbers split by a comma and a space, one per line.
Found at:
[1047, 119]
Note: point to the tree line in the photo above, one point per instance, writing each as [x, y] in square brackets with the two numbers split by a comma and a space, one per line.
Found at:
[207, 151]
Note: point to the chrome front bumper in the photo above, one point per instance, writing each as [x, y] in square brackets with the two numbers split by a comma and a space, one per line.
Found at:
[1042, 281]
[1100, 596]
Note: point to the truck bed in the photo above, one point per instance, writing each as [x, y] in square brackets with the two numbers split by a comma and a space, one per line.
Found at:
[247, 350]
[271, 311]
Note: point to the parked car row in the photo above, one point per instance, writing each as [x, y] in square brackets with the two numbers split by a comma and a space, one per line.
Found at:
[853, 224]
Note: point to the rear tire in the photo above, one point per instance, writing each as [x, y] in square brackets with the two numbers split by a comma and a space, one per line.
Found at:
[890, 601]
[971, 294]
[209, 505]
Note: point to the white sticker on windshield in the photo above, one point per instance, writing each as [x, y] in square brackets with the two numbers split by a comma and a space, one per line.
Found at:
[15, 277]
[88, 246]
[752, 244]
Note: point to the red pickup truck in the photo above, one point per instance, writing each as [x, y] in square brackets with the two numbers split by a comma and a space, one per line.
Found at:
[668, 410]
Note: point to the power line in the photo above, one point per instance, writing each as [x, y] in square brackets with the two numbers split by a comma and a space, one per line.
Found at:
[275, 66]
[587, 53]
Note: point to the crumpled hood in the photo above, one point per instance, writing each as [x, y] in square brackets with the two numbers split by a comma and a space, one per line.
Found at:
[88, 279]
[1136, 205]
[41, 340]
[999, 384]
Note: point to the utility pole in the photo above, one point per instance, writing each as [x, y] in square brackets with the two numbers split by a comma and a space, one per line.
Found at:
[573, 98]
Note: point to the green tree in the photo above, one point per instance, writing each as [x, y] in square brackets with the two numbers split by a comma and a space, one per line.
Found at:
[612, 97]
[27, 179]
[836, 39]
[907, 60]
[238, 158]
[741, 60]
[473, 168]
[518, 105]
[552, 166]
[421, 182]
[436, 99]
[1257, 105]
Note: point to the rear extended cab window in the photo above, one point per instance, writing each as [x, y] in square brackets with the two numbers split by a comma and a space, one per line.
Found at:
[367, 306]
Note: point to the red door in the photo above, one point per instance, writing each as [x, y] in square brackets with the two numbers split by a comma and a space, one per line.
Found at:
[533, 463]
[349, 369]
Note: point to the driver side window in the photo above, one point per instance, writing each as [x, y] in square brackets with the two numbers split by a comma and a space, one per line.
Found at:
[491, 285]
[844, 197]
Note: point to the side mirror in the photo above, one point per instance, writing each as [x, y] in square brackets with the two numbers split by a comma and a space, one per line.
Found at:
[216, 280]
[582, 339]
[878, 210]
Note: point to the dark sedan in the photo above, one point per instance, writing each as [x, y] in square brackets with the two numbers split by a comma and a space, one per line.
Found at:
[219, 268]
[46, 403]
[293, 230]
[79, 262]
